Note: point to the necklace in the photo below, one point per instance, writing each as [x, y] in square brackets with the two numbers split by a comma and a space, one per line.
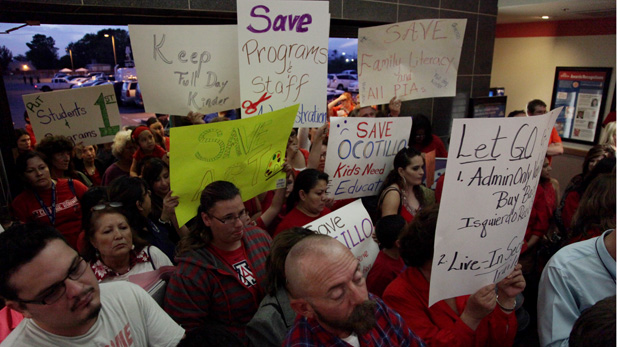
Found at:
[408, 207]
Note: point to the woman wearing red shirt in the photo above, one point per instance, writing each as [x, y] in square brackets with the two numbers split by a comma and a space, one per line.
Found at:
[423, 139]
[307, 201]
[485, 318]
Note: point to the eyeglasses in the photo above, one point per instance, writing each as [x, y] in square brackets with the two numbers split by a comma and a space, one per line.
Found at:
[105, 205]
[230, 219]
[56, 291]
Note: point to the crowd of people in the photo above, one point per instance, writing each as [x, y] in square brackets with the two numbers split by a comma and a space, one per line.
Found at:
[248, 273]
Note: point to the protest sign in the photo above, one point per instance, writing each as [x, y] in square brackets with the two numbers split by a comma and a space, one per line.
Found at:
[283, 49]
[184, 68]
[87, 115]
[352, 226]
[410, 60]
[494, 166]
[250, 153]
[361, 153]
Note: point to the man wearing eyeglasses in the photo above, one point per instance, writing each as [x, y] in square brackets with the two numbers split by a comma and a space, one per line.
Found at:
[43, 278]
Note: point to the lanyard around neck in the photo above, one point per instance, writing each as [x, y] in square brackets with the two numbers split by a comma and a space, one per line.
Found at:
[49, 211]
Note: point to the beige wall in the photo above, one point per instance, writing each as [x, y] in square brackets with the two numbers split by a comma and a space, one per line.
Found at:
[526, 68]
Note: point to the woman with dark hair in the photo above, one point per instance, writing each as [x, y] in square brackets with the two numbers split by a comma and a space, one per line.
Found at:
[158, 130]
[596, 212]
[275, 316]
[485, 318]
[403, 192]
[59, 152]
[307, 201]
[23, 141]
[93, 168]
[112, 249]
[572, 199]
[135, 197]
[593, 157]
[423, 139]
[221, 265]
[156, 174]
[45, 200]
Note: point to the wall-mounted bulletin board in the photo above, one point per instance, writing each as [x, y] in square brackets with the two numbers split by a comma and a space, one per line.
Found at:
[583, 93]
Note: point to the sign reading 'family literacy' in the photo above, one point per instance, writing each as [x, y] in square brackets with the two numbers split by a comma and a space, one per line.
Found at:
[352, 226]
[87, 115]
[361, 153]
[283, 55]
[410, 60]
[184, 68]
[247, 152]
[494, 166]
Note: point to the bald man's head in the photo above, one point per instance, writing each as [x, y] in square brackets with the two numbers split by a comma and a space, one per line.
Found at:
[300, 266]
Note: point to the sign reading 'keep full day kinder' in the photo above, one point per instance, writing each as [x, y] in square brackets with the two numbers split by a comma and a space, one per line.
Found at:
[184, 68]
[283, 52]
[84, 115]
[493, 170]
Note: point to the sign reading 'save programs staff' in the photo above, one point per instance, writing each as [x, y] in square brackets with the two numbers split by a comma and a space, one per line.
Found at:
[184, 68]
[283, 52]
[87, 115]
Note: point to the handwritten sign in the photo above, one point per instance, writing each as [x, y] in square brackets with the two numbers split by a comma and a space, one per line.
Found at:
[361, 153]
[88, 115]
[494, 167]
[283, 49]
[184, 68]
[410, 60]
[352, 226]
[248, 152]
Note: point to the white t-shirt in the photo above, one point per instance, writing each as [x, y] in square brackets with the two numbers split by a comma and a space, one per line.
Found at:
[128, 317]
[159, 259]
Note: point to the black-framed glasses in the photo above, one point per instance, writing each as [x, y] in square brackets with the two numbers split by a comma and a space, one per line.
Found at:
[105, 205]
[56, 291]
[230, 219]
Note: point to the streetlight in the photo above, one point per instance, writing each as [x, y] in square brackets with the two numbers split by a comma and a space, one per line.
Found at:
[113, 44]
[71, 55]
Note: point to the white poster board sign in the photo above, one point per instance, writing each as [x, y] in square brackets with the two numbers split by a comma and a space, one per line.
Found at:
[410, 60]
[352, 226]
[87, 115]
[361, 153]
[184, 68]
[494, 166]
[283, 50]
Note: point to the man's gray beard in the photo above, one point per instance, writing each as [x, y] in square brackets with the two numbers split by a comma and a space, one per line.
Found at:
[361, 321]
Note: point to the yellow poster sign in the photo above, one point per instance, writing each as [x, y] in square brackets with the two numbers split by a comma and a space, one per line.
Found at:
[248, 152]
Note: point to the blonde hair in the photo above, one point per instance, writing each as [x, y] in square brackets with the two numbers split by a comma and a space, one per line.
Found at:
[607, 137]
[120, 140]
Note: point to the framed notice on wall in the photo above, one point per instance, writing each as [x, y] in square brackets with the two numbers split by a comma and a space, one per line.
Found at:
[583, 94]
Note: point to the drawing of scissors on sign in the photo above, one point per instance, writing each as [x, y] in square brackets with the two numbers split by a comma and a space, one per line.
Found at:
[250, 108]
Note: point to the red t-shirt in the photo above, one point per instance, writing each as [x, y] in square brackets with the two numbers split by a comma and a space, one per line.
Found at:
[435, 145]
[384, 271]
[296, 218]
[158, 152]
[238, 261]
[553, 139]
[96, 179]
[26, 207]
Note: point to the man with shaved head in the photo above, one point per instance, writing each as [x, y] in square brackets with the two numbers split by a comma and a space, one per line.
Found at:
[329, 293]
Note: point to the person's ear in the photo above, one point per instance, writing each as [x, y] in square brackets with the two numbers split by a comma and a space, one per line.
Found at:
[16, 306]
[302, 307]
[302, 194]
[397, 243]
[206, 219]
[139, 205]
[400, 171]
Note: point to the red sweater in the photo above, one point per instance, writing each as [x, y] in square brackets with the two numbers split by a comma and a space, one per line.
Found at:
[26, 207]
[295, 218]
[435, 145]
[384, 271]
[544, 205]
[439, 325]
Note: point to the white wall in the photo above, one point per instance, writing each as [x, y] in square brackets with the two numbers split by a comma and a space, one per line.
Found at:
[526, 66]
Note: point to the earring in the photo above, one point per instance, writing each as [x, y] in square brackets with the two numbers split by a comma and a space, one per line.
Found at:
[133, 247]
[97, 254]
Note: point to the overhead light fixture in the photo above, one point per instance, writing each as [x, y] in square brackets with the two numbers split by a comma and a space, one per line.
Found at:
[544, 17]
